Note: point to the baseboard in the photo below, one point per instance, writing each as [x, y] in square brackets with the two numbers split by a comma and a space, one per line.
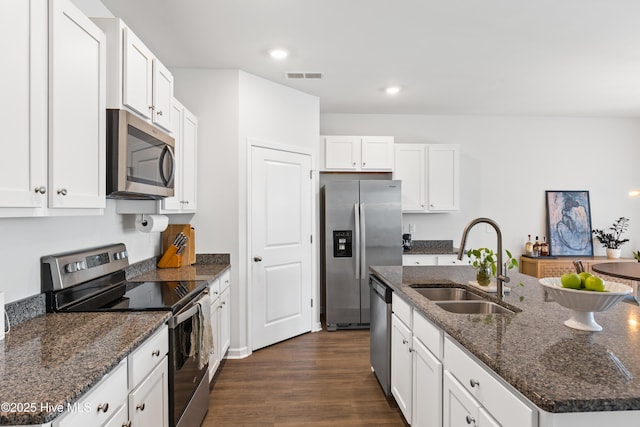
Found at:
[238, 353]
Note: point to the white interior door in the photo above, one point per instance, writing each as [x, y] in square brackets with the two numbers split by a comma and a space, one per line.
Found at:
[280, 245]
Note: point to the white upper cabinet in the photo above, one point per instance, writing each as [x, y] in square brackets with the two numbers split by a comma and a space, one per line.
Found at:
[185, 132]
[357, 153]
[137, 80]
[23, 114]
[55, 144]
[77, 124]
[430, 177]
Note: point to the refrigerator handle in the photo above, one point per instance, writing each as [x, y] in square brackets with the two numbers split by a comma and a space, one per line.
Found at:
[363, 243]
[356, 240]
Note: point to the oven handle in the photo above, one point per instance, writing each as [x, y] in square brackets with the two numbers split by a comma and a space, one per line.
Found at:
[183, 317]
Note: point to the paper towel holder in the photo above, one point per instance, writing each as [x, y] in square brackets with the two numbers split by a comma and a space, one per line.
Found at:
[143, 221]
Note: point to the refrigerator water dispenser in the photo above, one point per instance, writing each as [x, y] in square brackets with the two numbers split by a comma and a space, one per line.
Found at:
[342, 244]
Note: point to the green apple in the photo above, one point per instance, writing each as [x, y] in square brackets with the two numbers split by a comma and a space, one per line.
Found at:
[583, 278]
[594, 283]
[570, 280]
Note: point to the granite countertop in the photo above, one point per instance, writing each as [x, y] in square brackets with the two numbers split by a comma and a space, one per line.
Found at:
[54, 359]
[431, 247]
[206, 272]
[558, 368]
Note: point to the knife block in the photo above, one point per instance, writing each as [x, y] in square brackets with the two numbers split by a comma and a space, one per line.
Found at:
[169, 235]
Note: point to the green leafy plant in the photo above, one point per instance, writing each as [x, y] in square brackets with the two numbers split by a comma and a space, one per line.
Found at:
[636, 255]
[485, 258]
[612, 240]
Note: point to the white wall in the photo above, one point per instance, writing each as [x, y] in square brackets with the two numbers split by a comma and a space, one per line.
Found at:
[233, 106]
[507, 164]
[27, 239]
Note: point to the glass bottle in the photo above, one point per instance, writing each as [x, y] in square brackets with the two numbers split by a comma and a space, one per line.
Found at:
[544, 247]
[536, 247]
[528, 247]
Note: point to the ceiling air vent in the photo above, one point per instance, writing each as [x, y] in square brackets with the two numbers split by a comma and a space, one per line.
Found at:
[299, 75]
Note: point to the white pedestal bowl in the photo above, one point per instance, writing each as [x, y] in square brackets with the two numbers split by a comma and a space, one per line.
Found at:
[584, 303]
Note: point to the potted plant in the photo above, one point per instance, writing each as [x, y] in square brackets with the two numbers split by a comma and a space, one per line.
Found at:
[485, 261]
[611, 240]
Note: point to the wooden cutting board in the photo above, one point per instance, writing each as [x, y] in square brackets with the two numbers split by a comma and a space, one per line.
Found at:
[169, 235]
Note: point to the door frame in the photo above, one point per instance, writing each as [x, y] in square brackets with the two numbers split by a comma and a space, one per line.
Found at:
[313, 182]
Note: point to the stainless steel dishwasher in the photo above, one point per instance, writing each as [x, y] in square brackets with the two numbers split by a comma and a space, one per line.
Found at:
[380, 327]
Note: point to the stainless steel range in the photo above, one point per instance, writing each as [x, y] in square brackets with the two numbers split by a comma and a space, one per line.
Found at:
[94, 280]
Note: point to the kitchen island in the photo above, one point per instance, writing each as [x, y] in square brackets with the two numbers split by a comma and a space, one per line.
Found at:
[572, 377]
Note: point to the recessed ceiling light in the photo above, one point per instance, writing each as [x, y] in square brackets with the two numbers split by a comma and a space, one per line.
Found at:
[278, 53]
[392, 90]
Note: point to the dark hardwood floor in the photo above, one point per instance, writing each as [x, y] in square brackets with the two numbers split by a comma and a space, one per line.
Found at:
[317, 379]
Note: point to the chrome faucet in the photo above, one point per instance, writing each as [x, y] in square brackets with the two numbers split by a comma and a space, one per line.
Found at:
[500, 277]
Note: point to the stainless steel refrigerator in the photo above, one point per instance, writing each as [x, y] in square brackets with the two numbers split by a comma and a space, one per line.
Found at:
[362, 227]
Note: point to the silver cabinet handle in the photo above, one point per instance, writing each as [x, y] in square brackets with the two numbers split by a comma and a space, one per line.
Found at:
[126, 424]
[364, 163]
[62, 191]
[103, 407]
[151, 107]
[473, 382]
[404, 341]
[42, 189]
[257, 258]
[159, 112]
[156, 353]
[471, 420]
[140, 406]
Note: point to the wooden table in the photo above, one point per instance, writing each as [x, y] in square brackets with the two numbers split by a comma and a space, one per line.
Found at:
[623, 270]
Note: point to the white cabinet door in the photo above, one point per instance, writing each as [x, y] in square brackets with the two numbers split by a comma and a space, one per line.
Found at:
[427, 387]
[377, 153]
[341, 152]
[77, 132]
[162, 88]
[401, 366]
[486, 420]
[149, 402]
[410, 168]
[452, 260]
[23, 114]
[189, 161]
[137, 81]
[225, 323]
[184, 127]
[173, 203]
[443, 166]
[214, 357]
[459, 408]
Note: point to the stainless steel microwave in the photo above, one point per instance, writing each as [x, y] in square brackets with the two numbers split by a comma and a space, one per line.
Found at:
[140, 159]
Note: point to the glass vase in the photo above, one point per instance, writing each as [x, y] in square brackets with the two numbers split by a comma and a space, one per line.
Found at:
[483, 276]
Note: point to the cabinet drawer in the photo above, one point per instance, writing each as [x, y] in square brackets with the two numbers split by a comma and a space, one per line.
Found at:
[499, 398]
[401, 309]
[101, 402]
[428, 333]
[147, 356]
[419, 260]
[214, 289]
[225, 281]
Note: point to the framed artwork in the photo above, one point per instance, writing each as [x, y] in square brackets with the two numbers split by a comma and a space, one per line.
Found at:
[569, 223]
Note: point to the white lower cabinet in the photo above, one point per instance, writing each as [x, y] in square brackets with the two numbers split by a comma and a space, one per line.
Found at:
[439, 259]
[470, 379]
[135, 393]
[149, 401]
[401, 366]
[97, 407]
[220, 321]
[416, 371]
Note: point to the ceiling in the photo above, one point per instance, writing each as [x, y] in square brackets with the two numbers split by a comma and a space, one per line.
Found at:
[505, 57]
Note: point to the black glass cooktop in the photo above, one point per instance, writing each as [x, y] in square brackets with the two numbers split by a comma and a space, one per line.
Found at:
[128, 296]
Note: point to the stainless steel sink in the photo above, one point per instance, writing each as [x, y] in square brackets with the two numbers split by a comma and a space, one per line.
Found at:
[473, 307]
[447, 294]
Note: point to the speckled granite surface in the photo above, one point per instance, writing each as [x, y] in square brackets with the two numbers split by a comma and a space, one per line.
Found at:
[191, 272]
[55, 358]
[558, 368]
[25, 309]
[428, 247]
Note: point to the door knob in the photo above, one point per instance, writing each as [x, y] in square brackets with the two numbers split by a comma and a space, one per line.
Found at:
[257, 258]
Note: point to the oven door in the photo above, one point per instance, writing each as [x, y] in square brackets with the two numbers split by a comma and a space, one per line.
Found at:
[140, 158]
[188, 385]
